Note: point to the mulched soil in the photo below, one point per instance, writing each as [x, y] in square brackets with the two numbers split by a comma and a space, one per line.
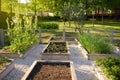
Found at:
[56, 47]
[53, 72]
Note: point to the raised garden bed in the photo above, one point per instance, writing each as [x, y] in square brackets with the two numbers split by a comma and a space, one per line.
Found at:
[55, 51]
[95, 46]
[6, 66]
[7, 53]
[108, 68]
[50, 70]
[93, 56]
[70, 40]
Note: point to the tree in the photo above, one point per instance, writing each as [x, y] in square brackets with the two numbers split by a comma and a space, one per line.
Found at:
[0, 5]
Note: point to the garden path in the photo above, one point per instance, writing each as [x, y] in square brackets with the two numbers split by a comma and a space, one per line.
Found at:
[83, 68]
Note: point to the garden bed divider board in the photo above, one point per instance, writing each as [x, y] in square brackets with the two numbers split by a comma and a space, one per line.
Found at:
[99, 73]
[6, 70]
[73, 74]
[93, 56]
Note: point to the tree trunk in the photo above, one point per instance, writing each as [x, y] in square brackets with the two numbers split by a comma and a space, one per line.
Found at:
[0, 5]
[35, 7]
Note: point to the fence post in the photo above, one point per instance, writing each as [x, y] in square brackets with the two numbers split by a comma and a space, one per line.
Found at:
[112, 35]
[63, 34]
[40, 35]
[88, 31]
[2, 37]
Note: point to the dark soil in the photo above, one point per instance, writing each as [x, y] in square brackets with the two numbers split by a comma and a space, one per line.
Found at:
[52, 72]
[56, 47]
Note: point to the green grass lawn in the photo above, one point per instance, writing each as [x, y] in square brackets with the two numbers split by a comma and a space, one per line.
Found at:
[98, 29]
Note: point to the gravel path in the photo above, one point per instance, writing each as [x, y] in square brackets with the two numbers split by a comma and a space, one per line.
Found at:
[83, 67]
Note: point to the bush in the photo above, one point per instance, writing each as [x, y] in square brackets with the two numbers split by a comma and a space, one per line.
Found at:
[49, 18]
[94, 44]
[111, 67]
[48, 26]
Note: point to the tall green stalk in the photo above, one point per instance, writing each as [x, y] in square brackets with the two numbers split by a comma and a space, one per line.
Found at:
[22, 34]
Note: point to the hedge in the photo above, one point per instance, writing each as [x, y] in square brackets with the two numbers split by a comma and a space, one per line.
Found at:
[48, 26]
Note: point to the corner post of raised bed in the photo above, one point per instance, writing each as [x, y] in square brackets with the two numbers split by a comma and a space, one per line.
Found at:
[40, 35]
[112, 35]
[2, 37]
[63, 34]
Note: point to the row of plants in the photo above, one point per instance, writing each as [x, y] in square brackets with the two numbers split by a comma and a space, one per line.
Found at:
[22, 33]
[95, 44]
[111, 67]
[48, 26]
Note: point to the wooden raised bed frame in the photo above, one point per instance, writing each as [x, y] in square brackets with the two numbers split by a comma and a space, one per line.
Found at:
[6, 70]
[16, 55]
[70, 40]
[29, 74]
[55, 55]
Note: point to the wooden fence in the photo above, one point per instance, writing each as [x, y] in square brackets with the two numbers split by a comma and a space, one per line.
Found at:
[110, 32]
[64, 32]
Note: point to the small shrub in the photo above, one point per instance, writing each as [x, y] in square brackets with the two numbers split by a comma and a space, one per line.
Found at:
[111, 67]
[48, 26]
[94, 44]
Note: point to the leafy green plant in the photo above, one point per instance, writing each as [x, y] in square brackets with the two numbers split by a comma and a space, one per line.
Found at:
[94, 44]
[110, 66]
[22, 35]
[48, 26]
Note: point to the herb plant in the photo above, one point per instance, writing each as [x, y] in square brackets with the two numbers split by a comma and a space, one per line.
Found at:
[94, 44]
